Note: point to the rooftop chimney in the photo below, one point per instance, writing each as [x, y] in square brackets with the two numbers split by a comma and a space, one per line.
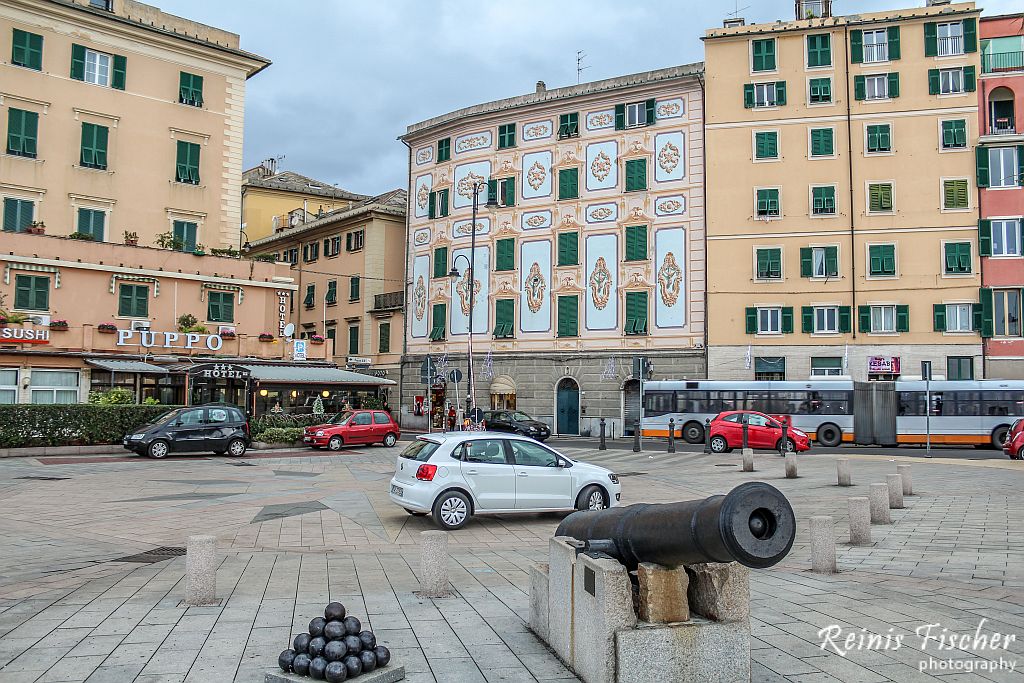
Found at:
[733, 22]
[541, 87]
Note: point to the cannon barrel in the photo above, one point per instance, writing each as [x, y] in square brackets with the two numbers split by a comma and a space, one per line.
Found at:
[753, 524]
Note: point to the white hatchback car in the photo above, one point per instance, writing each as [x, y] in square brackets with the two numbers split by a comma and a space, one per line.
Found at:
[456, 475]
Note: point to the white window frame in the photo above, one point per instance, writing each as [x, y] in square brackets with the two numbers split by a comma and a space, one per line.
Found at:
[942, 195]
[769, 317]
[1006, 226]
[822, 315]
[892, 138]
[818, 259]
[882, 310]
[637, 111]
[778, 146]
[53, 389]
[997, 294]
[807, 93]
[814, 157]
[98, 68]
[9, 389]
[877, 48]
[945, 49]
[810, 201]
[826, 372]
[1000, 151]
[769, 217]
[876, 78]
[765, 103]
[867, 198]
[967, 133]
[963, 314]
[948, 78]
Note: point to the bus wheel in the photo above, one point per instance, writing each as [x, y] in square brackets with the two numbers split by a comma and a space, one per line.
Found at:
[999, 436]
[829, 435]
[693, 432]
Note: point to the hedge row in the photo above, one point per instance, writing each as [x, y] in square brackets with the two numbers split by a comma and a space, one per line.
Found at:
[80, 424]
[279, 435]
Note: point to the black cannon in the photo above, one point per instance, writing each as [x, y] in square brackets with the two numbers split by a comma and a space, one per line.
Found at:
[753, 524]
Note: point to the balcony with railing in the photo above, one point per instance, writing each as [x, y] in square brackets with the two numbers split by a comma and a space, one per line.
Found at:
[1001, 119]
[999, 62]
[388, 301]
[950, 45]
[876, 52]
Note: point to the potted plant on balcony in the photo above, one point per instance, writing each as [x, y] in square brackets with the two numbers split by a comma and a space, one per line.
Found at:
[131, 239]
[199, 250]
[60, 325]
[36, 228]
[107, 328]
[316, 339]
[266, 337]
[228, 334]
[167, 240]
[84, 236]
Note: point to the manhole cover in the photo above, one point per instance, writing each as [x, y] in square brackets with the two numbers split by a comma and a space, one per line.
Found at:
[45, 478]
[155, 555]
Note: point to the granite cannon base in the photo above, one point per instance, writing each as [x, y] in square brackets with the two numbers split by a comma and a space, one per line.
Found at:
[387, 674]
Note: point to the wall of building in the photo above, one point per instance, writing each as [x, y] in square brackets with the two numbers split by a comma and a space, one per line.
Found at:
[260, 206]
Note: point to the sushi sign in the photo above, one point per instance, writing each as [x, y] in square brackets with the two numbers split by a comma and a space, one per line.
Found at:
[20, 335]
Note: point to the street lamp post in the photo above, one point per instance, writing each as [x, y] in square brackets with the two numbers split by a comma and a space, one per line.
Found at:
[492, 202]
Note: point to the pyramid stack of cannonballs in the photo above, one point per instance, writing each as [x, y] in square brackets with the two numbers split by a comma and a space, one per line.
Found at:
[335, 649]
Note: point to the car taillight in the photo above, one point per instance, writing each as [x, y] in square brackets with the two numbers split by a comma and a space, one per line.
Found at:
[426, 472]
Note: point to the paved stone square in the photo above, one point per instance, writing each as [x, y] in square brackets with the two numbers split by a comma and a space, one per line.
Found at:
[298, 529]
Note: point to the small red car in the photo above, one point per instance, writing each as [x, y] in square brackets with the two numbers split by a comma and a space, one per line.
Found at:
[1014, 444]
[763, 432]
[353, 427]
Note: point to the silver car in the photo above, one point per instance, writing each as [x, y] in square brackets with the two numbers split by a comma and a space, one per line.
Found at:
[456, 475]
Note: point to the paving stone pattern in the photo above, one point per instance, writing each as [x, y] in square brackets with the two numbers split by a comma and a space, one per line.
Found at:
[297, 530]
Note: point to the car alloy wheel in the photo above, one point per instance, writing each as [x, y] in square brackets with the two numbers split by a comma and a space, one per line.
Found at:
[1020, 453]
[719, 444]
[595, 501]
[335, 443]
[158, 449]
[390, 440]
[236, 448]
[453, 512]
[790, 446]
[591, 498]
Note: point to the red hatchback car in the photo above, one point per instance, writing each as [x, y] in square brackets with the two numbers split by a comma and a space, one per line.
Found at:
[1014, 444]
[763, 432]
[353, 427]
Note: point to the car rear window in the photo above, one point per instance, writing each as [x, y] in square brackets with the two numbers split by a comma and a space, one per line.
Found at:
[382, 418]
[419, 450]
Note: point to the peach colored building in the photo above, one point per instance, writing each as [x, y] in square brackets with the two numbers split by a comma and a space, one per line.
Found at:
[1000, 159]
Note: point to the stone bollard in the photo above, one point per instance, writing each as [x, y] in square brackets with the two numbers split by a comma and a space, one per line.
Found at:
[748, 460]
[908, 484]
[201, 571]
[895, 483]
[790, 465]
[434, 564]
[823, 546]
[843, 470]
[878, 495]
[671, 435]
[860, 521]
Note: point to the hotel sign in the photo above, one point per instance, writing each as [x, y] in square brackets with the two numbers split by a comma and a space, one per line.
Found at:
[220, 371]
[282, 311]
[20, 335]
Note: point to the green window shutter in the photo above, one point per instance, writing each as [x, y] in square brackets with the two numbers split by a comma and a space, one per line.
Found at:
[764, 55]
[505, 254]
[185, 233]
[568, 316]
[187, 164]
[970, 79]
[649, 111]
[748, 96]
[787, 320]
[504, 317]
[636, 312]
[939, 317]
[506, 135]
[863, 318]
[894, 42]
[636, 242]
[568, 183]
[970, 35]
[492, 191]
[780, 93]
[18, 214]
[92, 222]
[1020, 165]
[442, 203]
[766, 145]
[353, 339]
[27, 50]
[94, 146]
[78, 62]
[985, 237]
[845, 320]
[332, 292]
[431, 211]
[384, 338]
[902, 318]
[819, 50]
[353, 288]
[832, 261]
[981, 156]
[510, 191]
[806, 262]
[751, 320]
[440, 262]
[860, 88]
[931, 39]
[807, 319]
[987, 323]
[568, 249]
[894, 84]
[444, 149]
[948, 134]
[310, 298]
[933, 82]
[620, 117]
[120, 73]
[822, 142]
[636, 174]
[856, 46]
[32, 292]
[22, 133]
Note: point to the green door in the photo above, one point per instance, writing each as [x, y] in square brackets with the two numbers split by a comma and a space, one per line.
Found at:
[568, 405]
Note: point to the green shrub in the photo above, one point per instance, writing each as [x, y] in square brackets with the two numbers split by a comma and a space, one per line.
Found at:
[80, 424]
[279, 435]
[113, 397]
[272, 420]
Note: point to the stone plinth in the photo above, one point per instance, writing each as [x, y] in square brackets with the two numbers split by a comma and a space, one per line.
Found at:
[823, 545]
[720, 591]
[843, 471]
[539, 600]
[860, 521]
[388, 674]
[662, 594]
[434, 564]
[561, 558]
[603, 605]
[698, 651]
[201, 571]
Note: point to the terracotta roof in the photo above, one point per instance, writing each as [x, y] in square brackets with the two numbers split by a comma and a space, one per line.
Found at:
[290, 181]
[393, 202]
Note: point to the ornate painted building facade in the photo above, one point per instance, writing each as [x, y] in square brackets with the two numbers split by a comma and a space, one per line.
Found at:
[594, 254]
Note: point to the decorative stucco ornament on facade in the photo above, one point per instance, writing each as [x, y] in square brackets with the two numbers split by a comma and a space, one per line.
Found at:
[670, 206]
[534, 288]
[668, 109]
[536, 175]
[600, 284]
[601, 213]
[466, 184]
[670, 277]
[465, 230]
[422, 196]
[419, 296]
[668, 157]
[536, 221]
[601, 166]
[462, 289]
[472, 142]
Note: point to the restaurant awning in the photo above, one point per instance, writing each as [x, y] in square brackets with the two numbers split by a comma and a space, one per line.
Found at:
[297, 374]
[126, 366]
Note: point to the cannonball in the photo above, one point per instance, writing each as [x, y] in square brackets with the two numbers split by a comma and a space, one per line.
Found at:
[354, 665]
[335, 651]
[368, 640]
[301, 643]
[353, 644]
[383, 655]
[336, 672]
[316, 646]
[369, 660]
[316, 627]
[317, 667]
[352, 626]
[334, 630]
[335, 611]
[300, 664]
[285, 659]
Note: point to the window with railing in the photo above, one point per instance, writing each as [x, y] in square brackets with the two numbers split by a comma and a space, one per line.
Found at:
[1000, 112]
[876, 46]
[950, 39]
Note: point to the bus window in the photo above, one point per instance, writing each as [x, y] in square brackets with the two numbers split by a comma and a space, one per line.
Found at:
[999, 403]
[964, 403]
[938, 402]
[828, 402]
[658, 403]
[693, 401]
[911, 403]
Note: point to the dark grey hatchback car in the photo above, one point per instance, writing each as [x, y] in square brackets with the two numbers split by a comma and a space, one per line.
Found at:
[217, 429]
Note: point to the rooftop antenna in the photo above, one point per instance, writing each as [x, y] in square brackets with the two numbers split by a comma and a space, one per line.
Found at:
[737, 9]
[580, 55]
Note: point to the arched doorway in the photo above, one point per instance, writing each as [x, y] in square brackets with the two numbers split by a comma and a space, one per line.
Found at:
[567, 406]
[1000, 112]
[630, 406]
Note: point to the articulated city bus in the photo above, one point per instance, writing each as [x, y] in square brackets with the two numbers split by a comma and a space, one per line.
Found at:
[841, 411]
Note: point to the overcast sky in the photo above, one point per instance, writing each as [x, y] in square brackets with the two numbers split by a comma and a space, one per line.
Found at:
[348, 76]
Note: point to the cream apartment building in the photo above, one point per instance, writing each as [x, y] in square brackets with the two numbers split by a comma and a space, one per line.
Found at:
[842, 198]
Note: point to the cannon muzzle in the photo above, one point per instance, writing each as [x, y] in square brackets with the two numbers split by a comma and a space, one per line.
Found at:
[753, 524]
